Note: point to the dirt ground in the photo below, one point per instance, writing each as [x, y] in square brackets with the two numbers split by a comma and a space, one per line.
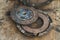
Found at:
[8, 30]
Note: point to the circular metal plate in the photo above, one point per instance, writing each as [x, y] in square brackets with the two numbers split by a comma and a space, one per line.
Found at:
[38, 28]
[36, 3]
[24, 15]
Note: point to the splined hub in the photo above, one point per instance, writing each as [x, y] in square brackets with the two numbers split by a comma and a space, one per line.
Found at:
[24, 14]
[31, 22]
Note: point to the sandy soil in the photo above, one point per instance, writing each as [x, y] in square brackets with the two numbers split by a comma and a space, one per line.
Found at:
[8, 30]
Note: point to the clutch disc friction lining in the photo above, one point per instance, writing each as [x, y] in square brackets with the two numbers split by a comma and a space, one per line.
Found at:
[24, 15]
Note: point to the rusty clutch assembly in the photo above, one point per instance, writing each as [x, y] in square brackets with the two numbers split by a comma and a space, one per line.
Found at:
[30, 22]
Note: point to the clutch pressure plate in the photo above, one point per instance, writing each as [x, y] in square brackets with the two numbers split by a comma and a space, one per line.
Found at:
[30, 22]
[36, 3]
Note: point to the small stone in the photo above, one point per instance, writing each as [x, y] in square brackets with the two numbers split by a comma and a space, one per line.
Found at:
[33, 4]
[58, 28]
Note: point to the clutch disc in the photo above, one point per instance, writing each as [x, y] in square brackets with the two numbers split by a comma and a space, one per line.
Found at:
[24, 15]
[36, 3]
[40, 27]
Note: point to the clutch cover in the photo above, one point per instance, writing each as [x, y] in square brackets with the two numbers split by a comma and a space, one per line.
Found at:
[30, 22]
[40, 27]
[36, 3]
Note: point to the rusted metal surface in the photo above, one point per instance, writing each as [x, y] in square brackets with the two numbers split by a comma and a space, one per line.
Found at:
[36, 3]
[8, 29]
[30, 16]
[17, 16]
[41, 26]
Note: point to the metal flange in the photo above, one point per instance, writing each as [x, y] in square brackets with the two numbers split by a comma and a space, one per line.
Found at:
[30, 21]
[40, 27]
[24, 15]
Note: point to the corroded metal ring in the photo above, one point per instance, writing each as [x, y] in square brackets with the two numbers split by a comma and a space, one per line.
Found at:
[24, 15]
[29, 31]
[44, 27]
[32, 34]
